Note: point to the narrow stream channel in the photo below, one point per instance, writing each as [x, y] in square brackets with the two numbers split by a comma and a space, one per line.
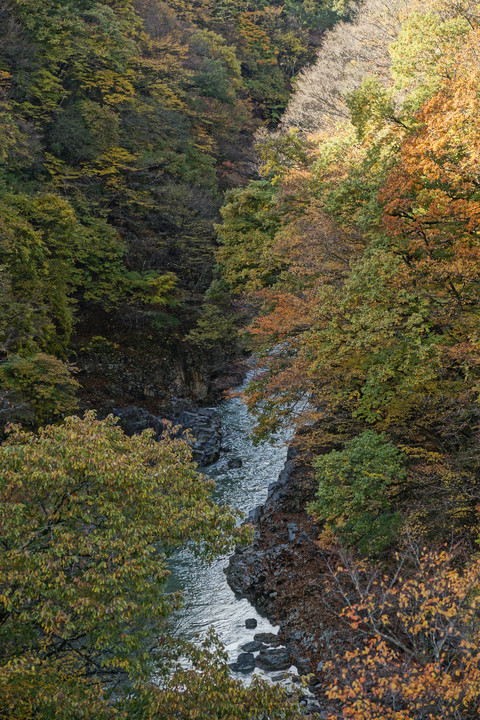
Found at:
[208, 599]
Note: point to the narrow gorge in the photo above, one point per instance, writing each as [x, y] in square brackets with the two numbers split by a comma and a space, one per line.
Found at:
[239, 279]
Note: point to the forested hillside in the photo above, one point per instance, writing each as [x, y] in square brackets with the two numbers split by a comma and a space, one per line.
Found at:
[122, 123]
[360, 244]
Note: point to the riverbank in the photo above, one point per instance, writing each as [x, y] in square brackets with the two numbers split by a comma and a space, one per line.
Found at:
[285, 573]
[144, 400]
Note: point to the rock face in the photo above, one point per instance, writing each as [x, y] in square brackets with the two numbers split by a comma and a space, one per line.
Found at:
[144, 384]
[119, 370]
[204, 424]
[206, 428]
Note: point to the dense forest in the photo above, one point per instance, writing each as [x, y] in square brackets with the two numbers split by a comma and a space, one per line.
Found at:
[360, 247]
[139, 224]
[122, 124]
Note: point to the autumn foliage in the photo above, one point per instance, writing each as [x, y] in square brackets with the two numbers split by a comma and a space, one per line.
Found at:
[368, 337]
[367, 274]
[122, 124]
[419, 656]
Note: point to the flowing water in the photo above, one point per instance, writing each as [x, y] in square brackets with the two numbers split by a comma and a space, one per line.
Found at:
[208, 599]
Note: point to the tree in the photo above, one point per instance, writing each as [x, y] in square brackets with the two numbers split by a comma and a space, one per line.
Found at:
[372, 318]
[418, 656]
[207, 691]
[431, 196]
[87, 516]
[249, 225]
[121, 126]
[356, 491]
[350, 52]
[41, 382]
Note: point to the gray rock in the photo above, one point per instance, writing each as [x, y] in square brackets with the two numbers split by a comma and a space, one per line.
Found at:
[303, 537]
[203, 423]
[255, 515]
[134, 420]
[251, 624]
[253, 646]
[245, 663]
[273, 659]
[292, 531]
[268, 639]
[312, 707]
[304, 665]
[276, 490]
[242, 570]
[235, 463]
[205, 426]
[279, 677]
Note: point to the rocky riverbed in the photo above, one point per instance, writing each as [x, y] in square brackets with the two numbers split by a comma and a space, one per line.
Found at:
[204, 425]
[285, 574]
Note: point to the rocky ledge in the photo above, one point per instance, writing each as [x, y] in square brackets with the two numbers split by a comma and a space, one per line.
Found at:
[204, 424]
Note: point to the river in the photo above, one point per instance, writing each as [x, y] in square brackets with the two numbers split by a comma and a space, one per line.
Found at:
[208, 599]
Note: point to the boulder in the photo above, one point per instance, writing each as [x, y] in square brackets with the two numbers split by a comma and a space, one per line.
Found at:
[273, 659]
[205, 426]
[245, 663]
[255, 515]
[268, 639]
[203, 423]
[313, 707]
[251, 624]
[134, 420]
[304, 665]
[281, 677]
[292, 529]
[253, 646]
